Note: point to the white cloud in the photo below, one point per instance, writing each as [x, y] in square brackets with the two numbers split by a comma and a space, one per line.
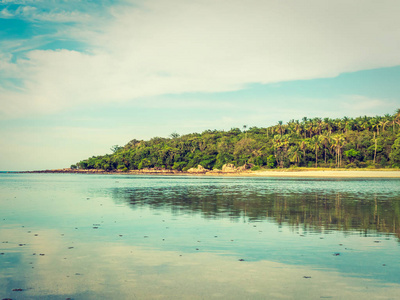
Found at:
[181, 46]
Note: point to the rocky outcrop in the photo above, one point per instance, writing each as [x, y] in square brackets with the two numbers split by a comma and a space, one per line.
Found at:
[153, 171]
[200, 169]
[229, 168]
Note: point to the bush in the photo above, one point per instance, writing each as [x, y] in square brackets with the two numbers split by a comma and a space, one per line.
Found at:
[350, 166]
[271, 162]
[362, 164]
[179, 165]
[255, 168]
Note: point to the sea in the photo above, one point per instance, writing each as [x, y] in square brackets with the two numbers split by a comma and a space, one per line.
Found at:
[85, 236]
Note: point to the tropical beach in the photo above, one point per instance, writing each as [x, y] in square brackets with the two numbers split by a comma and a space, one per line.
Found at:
[241, 236]
[154, 149]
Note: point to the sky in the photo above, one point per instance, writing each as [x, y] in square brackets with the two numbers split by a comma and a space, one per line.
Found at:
[77, 77]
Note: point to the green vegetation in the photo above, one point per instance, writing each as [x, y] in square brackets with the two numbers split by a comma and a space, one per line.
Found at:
[363, 142]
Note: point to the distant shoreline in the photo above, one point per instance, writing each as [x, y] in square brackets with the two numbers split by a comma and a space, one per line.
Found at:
[298, 173]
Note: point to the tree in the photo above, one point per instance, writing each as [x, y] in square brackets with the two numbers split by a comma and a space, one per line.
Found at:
[325, 142]
[293, 143]
[294, 154]
[338, 142]
[395, 154]
[174, 135]
[352, 154]
[115, 148]
[303, 147]
[316, 144]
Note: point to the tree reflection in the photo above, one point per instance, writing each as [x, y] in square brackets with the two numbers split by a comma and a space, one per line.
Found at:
[313, 212]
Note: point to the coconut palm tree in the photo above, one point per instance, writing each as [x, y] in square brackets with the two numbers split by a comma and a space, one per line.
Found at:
[294, 154]
[303, 146]
[316, 145]
[383, 124]
[325, 140]
[338, 143]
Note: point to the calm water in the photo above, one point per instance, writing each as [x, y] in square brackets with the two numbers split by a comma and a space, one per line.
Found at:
[137, 237]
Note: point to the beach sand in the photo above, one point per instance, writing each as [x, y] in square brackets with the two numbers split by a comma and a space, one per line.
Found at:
[300, 173]
[328, 173]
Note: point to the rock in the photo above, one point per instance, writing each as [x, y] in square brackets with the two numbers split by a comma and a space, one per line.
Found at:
[243, 168]
[229, 168]
[199, 169]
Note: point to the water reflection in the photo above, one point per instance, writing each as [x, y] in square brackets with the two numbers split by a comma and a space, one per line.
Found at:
[312, 211]
[96, 270]
[126, 237]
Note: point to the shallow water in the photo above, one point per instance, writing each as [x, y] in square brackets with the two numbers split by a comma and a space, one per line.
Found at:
[162, 237]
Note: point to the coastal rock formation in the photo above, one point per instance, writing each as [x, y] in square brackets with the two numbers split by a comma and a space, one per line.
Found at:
[229, 168]
[199, 169]
[153, 171]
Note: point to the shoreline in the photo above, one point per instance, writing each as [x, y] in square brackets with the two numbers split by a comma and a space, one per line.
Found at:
[298, 173]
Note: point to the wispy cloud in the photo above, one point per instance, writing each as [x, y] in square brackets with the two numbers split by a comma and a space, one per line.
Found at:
[169, 47]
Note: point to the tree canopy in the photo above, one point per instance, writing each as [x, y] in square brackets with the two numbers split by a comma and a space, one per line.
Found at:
[347, 142]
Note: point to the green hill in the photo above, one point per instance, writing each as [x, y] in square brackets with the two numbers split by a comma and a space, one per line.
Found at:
[348, 142]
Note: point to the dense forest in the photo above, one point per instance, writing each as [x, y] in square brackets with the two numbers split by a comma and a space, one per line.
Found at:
[363, 142]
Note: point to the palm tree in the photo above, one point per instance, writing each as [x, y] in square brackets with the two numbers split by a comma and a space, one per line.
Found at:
[325, 141]
[277, 141]
[303, 146]
[280, 127]
[396, 118]
[316, 144]
[383, 124]
[338, 143]
[310, 128]
[376, 144]
[294, 154]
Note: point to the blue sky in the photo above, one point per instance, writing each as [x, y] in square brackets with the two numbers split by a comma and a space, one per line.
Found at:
[77, 77]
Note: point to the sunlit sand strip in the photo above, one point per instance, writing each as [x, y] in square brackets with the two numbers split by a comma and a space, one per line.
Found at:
[330, 174]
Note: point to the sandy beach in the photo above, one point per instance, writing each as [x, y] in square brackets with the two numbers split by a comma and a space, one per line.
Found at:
[300, 173]
[329, 173]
